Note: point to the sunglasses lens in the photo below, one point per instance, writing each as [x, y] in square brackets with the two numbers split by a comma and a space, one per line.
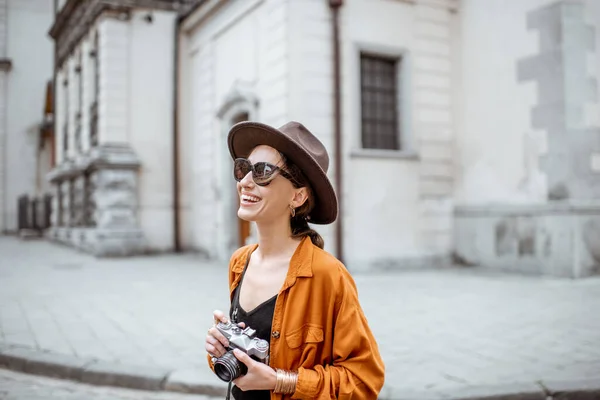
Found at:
[241, 167]
[263, 173]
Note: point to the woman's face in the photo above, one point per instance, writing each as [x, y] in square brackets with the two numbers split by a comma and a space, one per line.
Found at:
[271, 202]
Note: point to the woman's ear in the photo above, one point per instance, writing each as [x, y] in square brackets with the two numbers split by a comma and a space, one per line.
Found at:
[300, 197]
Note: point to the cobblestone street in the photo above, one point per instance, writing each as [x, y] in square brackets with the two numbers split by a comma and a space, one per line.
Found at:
[441, 332]
[17, 386]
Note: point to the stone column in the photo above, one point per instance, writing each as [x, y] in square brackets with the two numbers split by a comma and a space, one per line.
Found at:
[114, 171]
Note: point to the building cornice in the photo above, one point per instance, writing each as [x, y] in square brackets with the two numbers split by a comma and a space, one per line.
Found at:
[76, 17]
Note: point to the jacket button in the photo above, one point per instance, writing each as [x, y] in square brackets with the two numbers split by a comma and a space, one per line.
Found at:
[276, 334]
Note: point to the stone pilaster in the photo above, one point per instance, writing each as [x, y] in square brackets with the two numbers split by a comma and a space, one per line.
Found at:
[114, 100]
[432, 60]
[565, 40]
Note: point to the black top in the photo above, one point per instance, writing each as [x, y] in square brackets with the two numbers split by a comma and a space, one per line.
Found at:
[261, 320]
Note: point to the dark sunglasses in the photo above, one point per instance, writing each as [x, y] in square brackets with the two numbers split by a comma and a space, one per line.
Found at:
[262, 172]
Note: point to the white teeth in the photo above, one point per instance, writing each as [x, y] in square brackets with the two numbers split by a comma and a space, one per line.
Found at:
[253, 199]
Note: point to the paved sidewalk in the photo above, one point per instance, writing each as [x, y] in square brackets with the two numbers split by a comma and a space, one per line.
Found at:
[18, 386]
[449, 333]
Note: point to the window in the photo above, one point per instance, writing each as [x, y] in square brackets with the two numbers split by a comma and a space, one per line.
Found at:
[59, 208]
[380, 102]
[96, 88]
[65, 136]
[78, 114]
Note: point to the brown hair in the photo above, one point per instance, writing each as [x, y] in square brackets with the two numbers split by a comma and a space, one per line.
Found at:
[299, 222]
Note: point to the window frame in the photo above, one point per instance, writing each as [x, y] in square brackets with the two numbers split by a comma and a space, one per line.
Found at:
[95, 87]
[403, 101]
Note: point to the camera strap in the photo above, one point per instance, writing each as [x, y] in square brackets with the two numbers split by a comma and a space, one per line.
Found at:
[235, 304]
[228, 397]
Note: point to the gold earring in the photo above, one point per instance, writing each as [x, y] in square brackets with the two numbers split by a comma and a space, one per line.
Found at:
[293, 211]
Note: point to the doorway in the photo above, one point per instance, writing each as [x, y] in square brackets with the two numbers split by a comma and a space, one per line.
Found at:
[243, 227]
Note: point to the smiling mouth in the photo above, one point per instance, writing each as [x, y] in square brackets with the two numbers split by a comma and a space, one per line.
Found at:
[249, 199]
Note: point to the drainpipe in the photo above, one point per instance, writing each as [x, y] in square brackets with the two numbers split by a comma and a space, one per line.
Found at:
[335, 6]
[175, 155]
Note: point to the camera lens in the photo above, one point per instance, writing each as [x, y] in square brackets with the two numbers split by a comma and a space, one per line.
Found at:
[229, 368]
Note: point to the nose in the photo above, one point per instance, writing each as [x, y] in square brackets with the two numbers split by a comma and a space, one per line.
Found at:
[247, 180]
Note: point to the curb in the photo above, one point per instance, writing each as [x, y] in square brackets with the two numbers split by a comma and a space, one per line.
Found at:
[585, 389]
[102, 373]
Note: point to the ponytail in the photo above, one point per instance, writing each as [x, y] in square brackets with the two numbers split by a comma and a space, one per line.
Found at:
[299, 222]
[300, 230]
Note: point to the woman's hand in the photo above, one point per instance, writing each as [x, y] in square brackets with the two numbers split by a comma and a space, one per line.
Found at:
[259, 376]
[216, 344]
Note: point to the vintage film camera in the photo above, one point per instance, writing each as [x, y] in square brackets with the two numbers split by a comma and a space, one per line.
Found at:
[228, 367]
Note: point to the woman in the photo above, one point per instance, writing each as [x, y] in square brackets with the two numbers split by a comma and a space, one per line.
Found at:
[298, 297]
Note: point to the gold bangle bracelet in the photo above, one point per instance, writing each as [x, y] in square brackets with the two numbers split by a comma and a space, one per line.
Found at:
[286, 382]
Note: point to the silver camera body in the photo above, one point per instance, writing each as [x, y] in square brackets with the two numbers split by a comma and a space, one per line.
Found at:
[228, 367]
[245, 340]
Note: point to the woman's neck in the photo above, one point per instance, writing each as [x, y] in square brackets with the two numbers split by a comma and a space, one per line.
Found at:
[275, 239]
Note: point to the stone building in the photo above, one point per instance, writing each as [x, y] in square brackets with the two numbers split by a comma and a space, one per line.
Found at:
[463, 130]
[25, 104]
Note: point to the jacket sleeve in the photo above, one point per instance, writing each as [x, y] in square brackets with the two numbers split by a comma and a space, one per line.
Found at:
[210, 363]
[357, 371]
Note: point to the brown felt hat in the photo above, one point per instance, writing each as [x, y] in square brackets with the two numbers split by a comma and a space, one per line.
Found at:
[302, 148]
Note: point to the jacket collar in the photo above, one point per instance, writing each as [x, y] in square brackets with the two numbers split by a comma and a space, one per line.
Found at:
[300, 264]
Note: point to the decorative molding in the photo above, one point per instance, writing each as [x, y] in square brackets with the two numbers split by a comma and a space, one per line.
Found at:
[76, 17]
[240, 93]
[450, 5]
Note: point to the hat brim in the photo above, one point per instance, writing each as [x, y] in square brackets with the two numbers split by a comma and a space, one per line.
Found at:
[245, 136]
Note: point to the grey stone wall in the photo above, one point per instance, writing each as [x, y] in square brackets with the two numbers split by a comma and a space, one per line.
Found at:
[561, 237]
[557, 239]
[564, 87]
[98, 194]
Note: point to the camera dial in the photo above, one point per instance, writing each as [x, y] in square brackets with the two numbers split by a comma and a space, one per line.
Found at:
[224, 325]
[262, 345]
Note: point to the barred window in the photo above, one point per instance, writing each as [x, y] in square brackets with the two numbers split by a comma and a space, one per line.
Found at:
[96, 88]
[379, 102]
[78, 114]
[65, 127]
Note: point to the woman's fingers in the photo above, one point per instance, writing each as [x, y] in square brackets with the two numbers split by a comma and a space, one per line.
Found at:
[214, 332]
[219, 316]
[214, 347]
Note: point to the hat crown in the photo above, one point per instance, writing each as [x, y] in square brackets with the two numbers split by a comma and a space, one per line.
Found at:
[302, 148]
[309, 142]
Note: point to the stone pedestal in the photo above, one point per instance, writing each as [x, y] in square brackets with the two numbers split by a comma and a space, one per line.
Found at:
[97, 202]
[560, 239]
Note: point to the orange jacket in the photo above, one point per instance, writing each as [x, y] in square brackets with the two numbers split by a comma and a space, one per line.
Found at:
[319, 328]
